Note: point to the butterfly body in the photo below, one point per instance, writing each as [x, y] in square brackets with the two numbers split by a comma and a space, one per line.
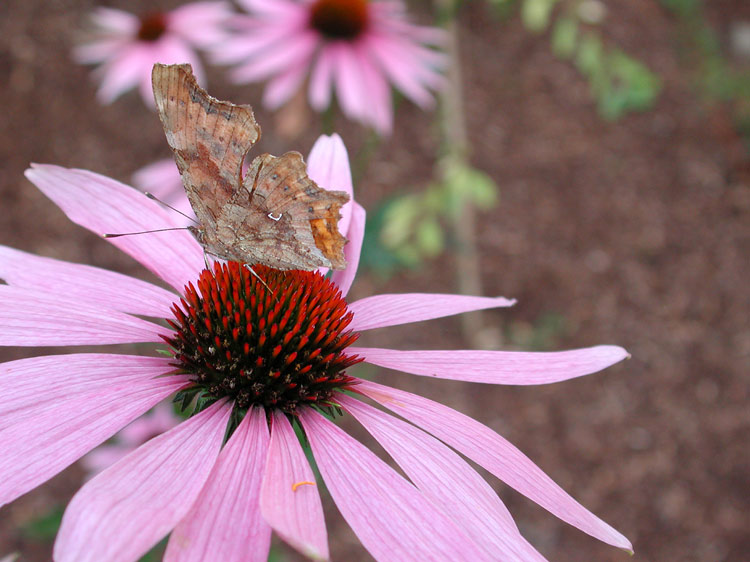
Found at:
[273, 214]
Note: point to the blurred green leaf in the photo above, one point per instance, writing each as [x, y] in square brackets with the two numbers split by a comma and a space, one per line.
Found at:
[430, 238]
[535, 14]
[156, 553]
[682, 7]
[503, 8]
[408, 255]
[409, 228]
[632, 86]
[565, 37]
[542, 335]
[484, 190]
[276, 554]
[399, 219]
[465, 183]
[590, 55]
[618, 82]
[719, 77]
[434, 199]
[44, 528]
[375, 255]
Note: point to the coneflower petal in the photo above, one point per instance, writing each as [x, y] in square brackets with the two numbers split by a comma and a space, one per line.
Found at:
[225, 522]
[105, 519]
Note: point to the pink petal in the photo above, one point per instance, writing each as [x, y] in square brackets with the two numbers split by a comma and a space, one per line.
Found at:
[289, 497]
[100, 50]
[28, 383]
[201, 23]
[174, 50]
[352, 250]
[224, 522]
[122, 72]
[496, 367]
[381, 311]
[105, 205]
[282, 87]
[170, 49]
[321, 80]
[328, 166]
[99, 287]
[251, 39]
[488, 449]
[350, 87]
[429, 35]
[275, 9]
[391, 17]
[423, 64]
[113, 20]
[43, 436]
[122, 512]
[391, 517]
[379, 107]
[448, 480]
[31, 318]
[299, 46]
[429, 65]
[401, 68]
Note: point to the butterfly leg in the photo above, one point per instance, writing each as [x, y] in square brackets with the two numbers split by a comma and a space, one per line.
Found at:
[254, 274]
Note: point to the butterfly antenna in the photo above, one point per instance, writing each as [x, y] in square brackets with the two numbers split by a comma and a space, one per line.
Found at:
[168, 206]
[143, 232]
[254, 274]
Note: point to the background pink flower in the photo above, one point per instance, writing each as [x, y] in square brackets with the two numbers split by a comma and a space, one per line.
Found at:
[126, 46]
[357, 47]
[222, 502]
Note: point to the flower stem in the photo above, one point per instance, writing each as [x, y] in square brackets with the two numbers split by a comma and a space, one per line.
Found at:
[455, 152]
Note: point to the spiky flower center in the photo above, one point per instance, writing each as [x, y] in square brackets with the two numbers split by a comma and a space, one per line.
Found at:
[153, 26]
[340, 19]
[279, 346]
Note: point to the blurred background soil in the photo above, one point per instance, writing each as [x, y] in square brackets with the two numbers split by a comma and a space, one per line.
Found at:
[633, 232]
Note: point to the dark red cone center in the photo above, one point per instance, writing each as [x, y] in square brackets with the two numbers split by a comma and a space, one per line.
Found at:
[280, 349]
[340, 19]
[153, 26]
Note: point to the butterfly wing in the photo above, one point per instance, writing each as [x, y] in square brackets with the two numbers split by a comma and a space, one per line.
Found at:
[296, 223]
[210, 139]
[278, 216]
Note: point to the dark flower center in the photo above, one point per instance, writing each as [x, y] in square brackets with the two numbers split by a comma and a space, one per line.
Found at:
[280, 349]
[340, 19]
[153, 26]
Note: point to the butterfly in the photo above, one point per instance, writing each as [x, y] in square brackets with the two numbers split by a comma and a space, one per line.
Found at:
[272, 214]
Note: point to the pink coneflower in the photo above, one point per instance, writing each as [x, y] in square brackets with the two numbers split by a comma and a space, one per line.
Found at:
[355, 46]
[258, 364]
[127, 46]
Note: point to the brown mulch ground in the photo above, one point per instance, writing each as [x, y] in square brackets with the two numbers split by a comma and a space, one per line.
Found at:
[634, 233]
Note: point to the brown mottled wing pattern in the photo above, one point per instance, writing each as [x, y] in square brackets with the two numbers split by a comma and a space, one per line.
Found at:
[209, 139]
[296, 223]
[277, 216]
